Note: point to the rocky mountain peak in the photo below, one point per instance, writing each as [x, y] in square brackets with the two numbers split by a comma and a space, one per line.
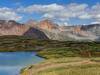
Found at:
[32, 23]
[47, 25]
[48, 29]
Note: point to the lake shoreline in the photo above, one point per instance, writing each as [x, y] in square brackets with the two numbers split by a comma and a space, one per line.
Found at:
[12, 62]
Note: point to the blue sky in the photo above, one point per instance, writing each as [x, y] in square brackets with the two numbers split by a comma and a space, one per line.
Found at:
[60, 11]
[12, 3]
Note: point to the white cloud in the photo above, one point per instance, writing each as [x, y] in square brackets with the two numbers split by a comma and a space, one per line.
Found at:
[96, 22]
[85, 16]
[8, 14]
[64, 12]
[56, 11]
[41, 8]
[62, 23]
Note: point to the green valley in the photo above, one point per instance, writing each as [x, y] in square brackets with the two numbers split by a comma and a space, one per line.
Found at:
[49, 48]
[61, 57]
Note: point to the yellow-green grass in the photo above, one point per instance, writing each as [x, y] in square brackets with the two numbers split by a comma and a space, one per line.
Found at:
[73, 70]
[65, 66]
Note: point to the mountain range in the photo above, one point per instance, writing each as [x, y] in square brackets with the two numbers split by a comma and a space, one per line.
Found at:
[47, 29]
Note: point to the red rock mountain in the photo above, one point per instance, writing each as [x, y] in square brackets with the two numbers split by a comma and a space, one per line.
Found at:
[47, 25]
[14, 28]
[47, 29]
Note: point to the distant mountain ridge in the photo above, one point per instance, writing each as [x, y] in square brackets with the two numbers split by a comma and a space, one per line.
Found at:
[46, 29]
[14, 28]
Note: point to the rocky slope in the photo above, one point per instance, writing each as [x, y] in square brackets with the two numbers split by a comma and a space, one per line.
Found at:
[62, 33]
[14, 28]
[47, 29]
[33, 32]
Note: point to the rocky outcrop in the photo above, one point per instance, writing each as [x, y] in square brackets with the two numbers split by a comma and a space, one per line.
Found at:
[47, 29]
[14, 28]
[47, 25]
[33, 32]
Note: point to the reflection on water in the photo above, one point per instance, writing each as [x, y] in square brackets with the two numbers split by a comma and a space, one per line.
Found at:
[12, 62]
[10, 70]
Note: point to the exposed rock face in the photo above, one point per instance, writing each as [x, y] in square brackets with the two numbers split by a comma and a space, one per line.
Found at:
[14, 28]
[33, 32]
[94, 28]
[47, 25]
[32, 23]
[47, 29]
[63, 33]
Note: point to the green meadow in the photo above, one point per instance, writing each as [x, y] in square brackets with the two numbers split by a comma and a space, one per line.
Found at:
[65, 66]
[61, 57]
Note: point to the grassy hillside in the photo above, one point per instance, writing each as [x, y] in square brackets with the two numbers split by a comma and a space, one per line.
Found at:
[65, 66]
[71, 49]
[49, 48]
[19, 43]
[63, 57]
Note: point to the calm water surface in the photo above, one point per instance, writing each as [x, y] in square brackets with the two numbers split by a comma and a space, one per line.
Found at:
[12, 62]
